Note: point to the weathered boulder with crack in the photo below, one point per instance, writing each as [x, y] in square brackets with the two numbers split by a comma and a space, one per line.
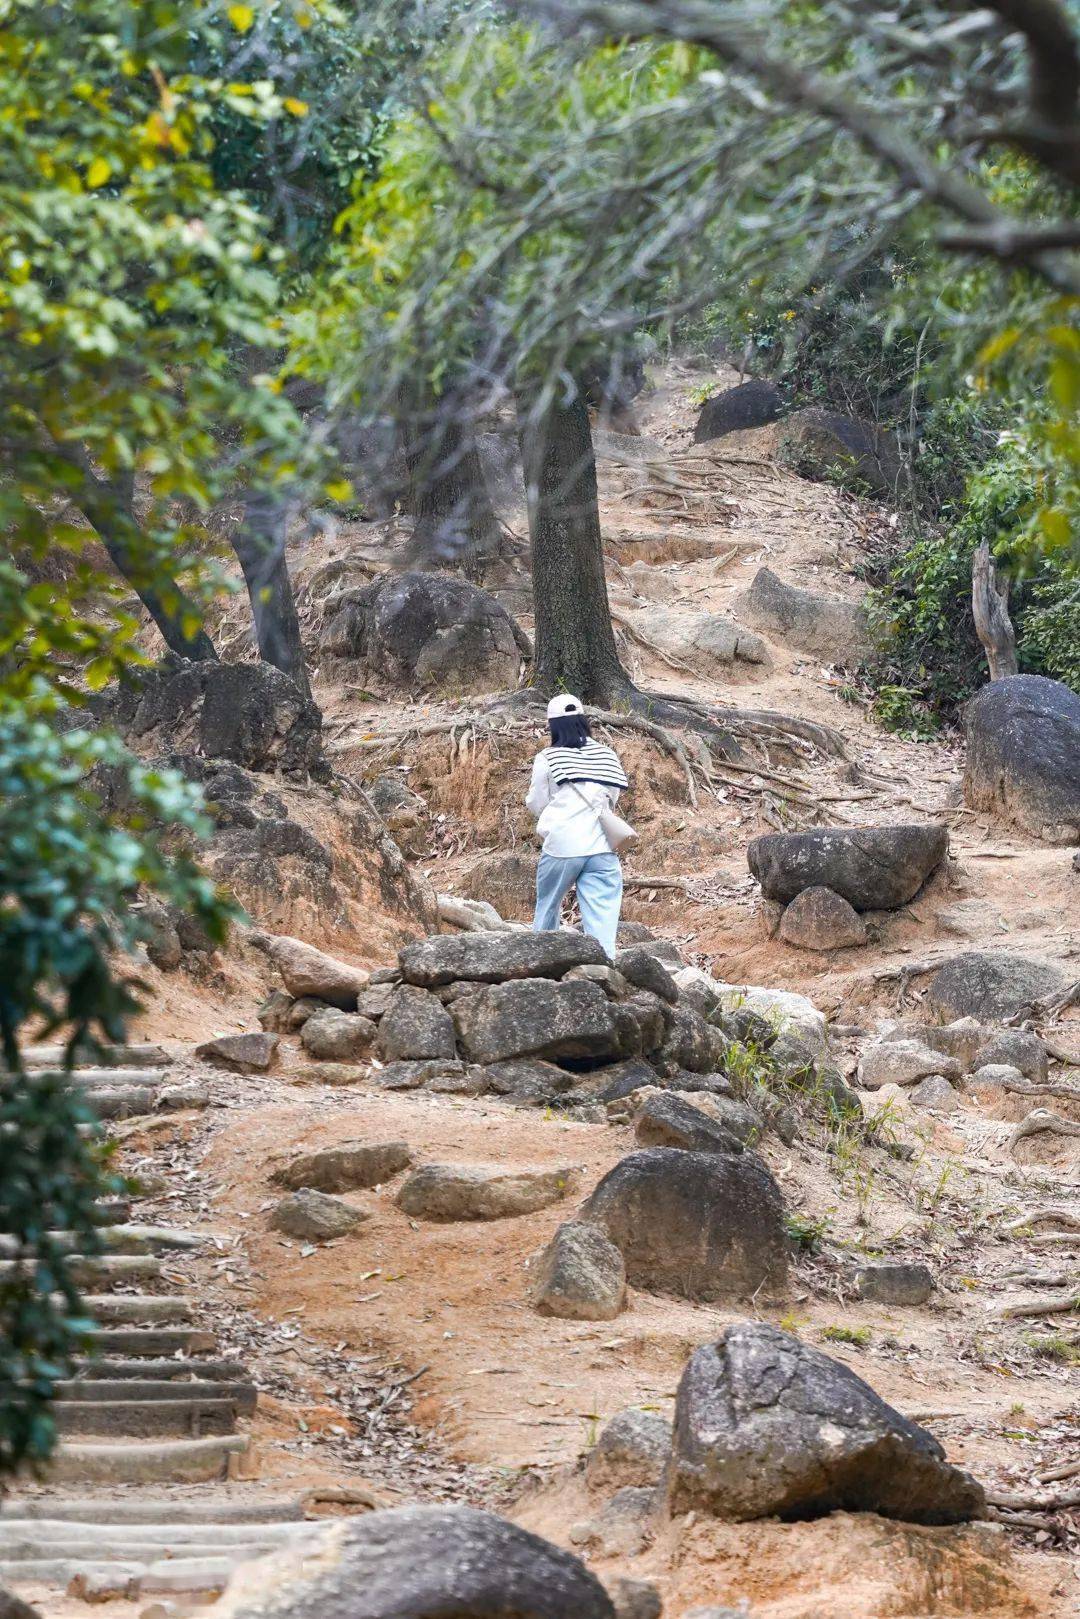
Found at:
[750, 404]
[416, 1563]
[484, 1191]
[698, 1225]
[826, 626]
[875, 868]
[1018, 1049]
[819, 919]
[646, 971]
[348, 1167]
[767, 1427]
[418, 631]
[415, 1027]
[243, 1053]
[633, 1449]
[692, 1044]
[580, 1276]
[538, 1018]
[495, 958]
[308, 972]
[700, 641]
[313, 1216]
[334, 1036]
[667, 1119]
[1023, 756]
[990, 985]
[821, 441]
[248, 713]
[902, 1062]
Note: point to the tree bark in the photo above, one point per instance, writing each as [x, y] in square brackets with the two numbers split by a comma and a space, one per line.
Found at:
[575, 642]
[108, 505]
[990, 606]
[455, 520]
[259, 544]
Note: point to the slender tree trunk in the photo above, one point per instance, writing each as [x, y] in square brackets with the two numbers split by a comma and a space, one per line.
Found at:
[109, 506]
[575, 643]
[259, 544]
[990, 606]
[455, 520]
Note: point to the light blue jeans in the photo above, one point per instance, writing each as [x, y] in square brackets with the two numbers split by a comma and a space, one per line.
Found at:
[598, 880]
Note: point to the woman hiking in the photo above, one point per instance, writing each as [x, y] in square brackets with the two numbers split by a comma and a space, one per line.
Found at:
[575, 783]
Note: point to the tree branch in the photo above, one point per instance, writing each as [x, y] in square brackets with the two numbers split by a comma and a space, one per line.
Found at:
[1053, 56]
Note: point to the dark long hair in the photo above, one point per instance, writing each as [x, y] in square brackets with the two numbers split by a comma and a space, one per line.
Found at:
[569, 731]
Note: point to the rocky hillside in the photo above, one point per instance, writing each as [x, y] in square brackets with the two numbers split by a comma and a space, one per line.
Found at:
[736, 1275]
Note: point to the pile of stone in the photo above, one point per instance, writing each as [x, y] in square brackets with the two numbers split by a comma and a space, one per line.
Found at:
[826, 880]
[546, 1020]
[931, 1065]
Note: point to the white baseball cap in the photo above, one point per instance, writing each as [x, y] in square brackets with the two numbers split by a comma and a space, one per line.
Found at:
[564, 704]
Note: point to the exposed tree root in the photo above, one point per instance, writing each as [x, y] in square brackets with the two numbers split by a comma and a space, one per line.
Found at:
[1066, 1218]
[1044, 1304]
[1038, 1120]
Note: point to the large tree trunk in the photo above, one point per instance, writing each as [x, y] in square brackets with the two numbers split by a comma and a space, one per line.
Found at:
[990, 607]
[109, 506]
[575, 643]
[259, 544]
[455, 521]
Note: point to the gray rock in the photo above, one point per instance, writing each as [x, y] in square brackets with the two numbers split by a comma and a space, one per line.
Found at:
[243, 1053]
[616, 1080]
[962, 1039]
[495, 958]
[691, 1043]
[12, 1607]
[484, 1191]
[892, 1282]
[312, 1216]
[669, 1120]
[826, 626]
[374, 1001]
[301, 1010]
[529, 1081]
[632, 1449]
[414, 1076]
[818, 919]
[767, 1427]
[415, 1028]
[748, 1027]
[990, 986]
[416, 1562]
[642, 968]
[613, 984]
[821, 441]
[306, 971]
[419, 631]
[538, 1018]
[623, 1527]
[749, 404]
[875, 868]
[994, 1077]
[162, 936]
[642, 1023]
[1023, 755]
[1017, 1049]
[698, 990]
[902, 1062]
[348, 1167]
[698, 1225]
[935, 1093]
[635, 1599]
[275, 1012]
[580, 1276]
[334, 1036]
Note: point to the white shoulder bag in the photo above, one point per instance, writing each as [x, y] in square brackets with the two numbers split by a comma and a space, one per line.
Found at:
[617, 831]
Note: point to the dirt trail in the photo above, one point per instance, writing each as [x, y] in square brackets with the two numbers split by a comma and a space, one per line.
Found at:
[507, 1400]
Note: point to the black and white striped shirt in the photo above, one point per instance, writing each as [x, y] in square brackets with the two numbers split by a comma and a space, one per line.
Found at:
[594, 762]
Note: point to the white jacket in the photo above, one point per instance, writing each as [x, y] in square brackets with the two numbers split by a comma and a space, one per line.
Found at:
[568, 819]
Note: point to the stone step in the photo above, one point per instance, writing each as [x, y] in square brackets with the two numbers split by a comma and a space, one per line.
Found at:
[110, 1268]
[148, 1542]
[108, 1369]
[176, 1461]
[121, 1238]
[134, 1309]
[135, 1056]
[148, 1512]
[129, 1341]
[240, 1395]
[117, 1079]
[101, 1581]
[149, 1539]
[145, 1419]
[126, 1104]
